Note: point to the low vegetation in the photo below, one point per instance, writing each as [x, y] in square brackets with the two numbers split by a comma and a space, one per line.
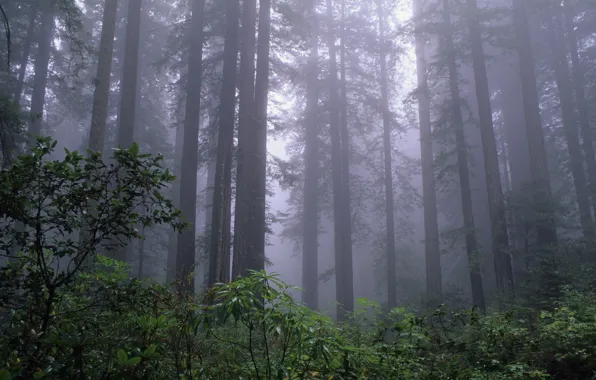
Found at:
[67, 312]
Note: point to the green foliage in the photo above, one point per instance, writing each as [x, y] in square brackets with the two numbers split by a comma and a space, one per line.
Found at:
[60, 319]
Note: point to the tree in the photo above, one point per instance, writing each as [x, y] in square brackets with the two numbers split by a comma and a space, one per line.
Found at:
[257, 209]
[496, 205]
[18, 92]
[219, 265]
[431, 225]
[40, 78]
[389, 207]
[102, 80]
[185, 256]
[246, 139]
[347, 269]
[578, 77]
[545, 225]
[310, 209]
[343, 286]
[462, 162]
[565, 89]
[129, 86]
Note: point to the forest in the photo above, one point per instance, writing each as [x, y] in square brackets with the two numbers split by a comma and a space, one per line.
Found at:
[297, 189]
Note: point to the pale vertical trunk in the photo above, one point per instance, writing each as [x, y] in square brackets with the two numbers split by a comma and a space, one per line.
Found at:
[431, 224]
[389, 204]
[310, 213]
[576, 160]
[546, 225]
[581, 103]
[18, 92]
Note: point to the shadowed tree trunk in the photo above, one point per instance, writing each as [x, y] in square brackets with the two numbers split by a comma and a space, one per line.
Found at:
[336, 157]
[219, 265]
[496, 203]
[185, 255]
[257, 209]
[99, 114]
[18, 92]
[347, 264]
[40, 78]
[462, 164]
[128, 90]
[246, 137]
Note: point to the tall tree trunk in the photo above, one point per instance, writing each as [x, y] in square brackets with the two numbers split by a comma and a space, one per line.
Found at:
[576, 161]
[99, 114]
[546, 224]
[246, 138]
[257, 209]
[219, 265]
[336, 167]
[431, 224]
[462, 164]
[40, 78]
[310, 213]
[173, 235]
[18, 92]
[389, 204]
[496, 203]
[345, 172]
[101, 95]
[129, 85]
[185, 258]
[581, 103]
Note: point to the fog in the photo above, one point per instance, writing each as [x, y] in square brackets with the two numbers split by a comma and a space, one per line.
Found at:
[436, 146]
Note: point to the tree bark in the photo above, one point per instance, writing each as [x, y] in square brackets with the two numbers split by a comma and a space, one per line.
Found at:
[336, 167]
[576, 161]
[389, 203]
[246, 138]
[129, 85]
[581, 103]
[310, 214]
[462, 164]
[431, 224]
[345, 169]
[546, 224]
[128, 88]
[99, 114]
[257, 209]
[18, 92]
[496, 203]
[219, 265]
[186, 251]
[40, 78]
